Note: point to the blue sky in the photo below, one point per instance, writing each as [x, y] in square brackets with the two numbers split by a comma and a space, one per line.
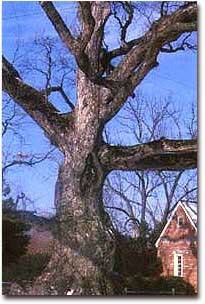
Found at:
[176, 76]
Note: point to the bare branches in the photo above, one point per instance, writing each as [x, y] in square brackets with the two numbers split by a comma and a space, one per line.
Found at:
[7, 122]
[125, 48]
[192, 124]
[145, 120]
[118, 209]
[185, 44]
[74, 45]
[86, 48]
[161, 120]
[140, 54]
[161, 154]
[49, 59]
[181, 21]
[169, 195]
[30, 98]
[67, 100]
[128, 8]
[60, 26]
[31, 161]
[141, 58]
[33, 102]
[163, 11]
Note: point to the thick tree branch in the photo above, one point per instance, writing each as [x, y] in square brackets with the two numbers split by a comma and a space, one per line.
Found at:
[87, 21]
[60, 26]
[50, 90]
[74, 45]
[87, 56]
[31, 100]
[139, 60]
[164, 154]
[123, 50]
[100, 12]
[166, 29]
[28, 97]
[184, 27]
[142, 57]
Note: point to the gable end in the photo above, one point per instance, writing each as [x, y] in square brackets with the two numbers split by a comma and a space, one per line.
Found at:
[180, 204]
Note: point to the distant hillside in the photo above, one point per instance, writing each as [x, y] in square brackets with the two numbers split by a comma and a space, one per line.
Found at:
[41, 229]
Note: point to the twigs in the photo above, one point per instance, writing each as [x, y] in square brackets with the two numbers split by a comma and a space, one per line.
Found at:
[128, 8]
[32, 160]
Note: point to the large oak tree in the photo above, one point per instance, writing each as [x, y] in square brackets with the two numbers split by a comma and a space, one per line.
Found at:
[84, 253]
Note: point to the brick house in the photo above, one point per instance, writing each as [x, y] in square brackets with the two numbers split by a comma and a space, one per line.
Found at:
[177, 244]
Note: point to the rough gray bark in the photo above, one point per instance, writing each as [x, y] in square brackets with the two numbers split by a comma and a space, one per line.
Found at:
[163, 154]
[84, 251]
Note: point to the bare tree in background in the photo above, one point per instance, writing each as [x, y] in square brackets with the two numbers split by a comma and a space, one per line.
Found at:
[84, 254]
[48, 61]
[15, 153]
[147, 197]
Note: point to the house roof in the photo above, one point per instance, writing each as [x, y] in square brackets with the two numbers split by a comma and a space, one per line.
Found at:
[190, 210]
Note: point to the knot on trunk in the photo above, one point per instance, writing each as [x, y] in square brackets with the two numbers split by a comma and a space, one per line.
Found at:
[92, 176]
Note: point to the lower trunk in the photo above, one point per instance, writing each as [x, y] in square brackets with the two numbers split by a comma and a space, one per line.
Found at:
[83, 253]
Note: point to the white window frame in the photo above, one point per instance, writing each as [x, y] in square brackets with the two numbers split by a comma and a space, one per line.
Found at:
[177, 271]
[178, 221]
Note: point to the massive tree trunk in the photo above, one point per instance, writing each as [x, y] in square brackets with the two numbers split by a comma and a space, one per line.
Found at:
[82, 255]
[82, 258]
[84, 249]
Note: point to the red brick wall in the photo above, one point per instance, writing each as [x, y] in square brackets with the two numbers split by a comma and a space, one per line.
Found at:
[180, 240]
[40, 242]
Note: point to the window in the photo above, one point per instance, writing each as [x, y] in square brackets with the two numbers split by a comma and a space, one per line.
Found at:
[180, 221]
[178, 265]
